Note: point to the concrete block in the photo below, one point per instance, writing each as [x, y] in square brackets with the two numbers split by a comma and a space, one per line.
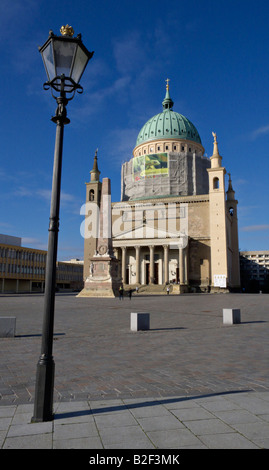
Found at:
[7, 327]
[139, 321]
[231, 316]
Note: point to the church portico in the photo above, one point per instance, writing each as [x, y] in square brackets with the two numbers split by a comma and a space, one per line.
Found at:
[152, 262]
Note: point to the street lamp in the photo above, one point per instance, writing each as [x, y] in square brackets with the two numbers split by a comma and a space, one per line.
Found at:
[65, 59]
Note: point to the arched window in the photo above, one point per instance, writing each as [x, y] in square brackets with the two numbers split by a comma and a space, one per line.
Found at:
[91, 195]
[215, 183]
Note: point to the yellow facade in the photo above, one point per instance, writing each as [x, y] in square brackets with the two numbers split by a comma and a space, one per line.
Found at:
[23, 270]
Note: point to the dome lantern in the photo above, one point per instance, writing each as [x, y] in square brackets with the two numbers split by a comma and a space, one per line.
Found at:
[167, 102]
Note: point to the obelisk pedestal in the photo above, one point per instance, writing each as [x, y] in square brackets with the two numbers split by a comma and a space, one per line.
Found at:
[103, 279]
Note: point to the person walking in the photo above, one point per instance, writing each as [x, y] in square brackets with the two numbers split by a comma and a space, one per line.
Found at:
[121, 293]
[130, 294]
[168, 290]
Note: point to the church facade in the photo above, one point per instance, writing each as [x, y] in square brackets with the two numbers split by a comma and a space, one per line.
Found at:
[176, 223]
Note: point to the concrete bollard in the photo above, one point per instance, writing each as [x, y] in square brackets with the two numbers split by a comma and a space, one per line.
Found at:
[231, 316]
[7, 327]
[139, 321]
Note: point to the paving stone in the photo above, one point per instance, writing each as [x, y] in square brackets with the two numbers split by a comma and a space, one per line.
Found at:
[149, 409]
[237, 417]
[207, 426]
[115, 419]
[253, 431]
[30, 429]
[192, 414]
[154, 423]
[40, 441]
[69, 431]
[5, 423]
[7, 411]
[124, 435]
[173, 439]
[78, 443]
[227, 441]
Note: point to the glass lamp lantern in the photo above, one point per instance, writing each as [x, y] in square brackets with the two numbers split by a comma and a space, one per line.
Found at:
[65, 58]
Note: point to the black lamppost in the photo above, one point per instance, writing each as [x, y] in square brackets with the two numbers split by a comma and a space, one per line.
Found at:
[65, 59]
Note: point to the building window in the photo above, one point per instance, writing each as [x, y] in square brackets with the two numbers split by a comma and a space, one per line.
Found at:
[216, 183]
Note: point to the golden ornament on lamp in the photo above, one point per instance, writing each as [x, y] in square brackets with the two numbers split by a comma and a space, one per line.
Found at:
[67, 30]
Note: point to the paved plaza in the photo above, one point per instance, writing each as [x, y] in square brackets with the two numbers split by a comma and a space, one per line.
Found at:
[188, 382]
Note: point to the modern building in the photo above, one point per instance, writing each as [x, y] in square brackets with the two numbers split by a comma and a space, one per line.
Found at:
[69, 275]
[176, 222]
[254, 271]
[23, 269]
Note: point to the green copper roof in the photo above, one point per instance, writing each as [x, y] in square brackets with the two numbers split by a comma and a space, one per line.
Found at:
[168, 125]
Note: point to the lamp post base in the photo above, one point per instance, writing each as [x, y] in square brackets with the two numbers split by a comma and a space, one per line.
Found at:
[43, 408]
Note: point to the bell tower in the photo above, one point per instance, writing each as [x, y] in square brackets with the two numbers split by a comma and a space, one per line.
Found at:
[93, 199]
[234, 263]
[217, 218]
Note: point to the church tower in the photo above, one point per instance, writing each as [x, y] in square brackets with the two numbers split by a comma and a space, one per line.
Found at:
[93, 199]
[217, 219]
[232, 233]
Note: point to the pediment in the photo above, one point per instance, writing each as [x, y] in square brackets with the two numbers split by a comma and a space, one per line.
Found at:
[145, 231]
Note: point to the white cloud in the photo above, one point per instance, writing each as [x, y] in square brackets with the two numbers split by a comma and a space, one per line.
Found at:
[67, 200]
[130, 52]
[44, 194]
[34, 243]
[260, 131]
[255, 228]
[121, 143]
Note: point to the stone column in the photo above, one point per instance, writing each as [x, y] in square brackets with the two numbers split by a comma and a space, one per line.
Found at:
[151, 266]
[137, 262]
[166, 265]
[186, 265]
[123, 264]
[181, 266]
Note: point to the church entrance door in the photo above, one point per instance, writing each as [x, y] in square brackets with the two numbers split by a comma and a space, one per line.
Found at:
[147, 273]
[156, 273]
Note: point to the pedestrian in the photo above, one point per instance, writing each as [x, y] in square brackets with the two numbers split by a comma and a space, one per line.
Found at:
[168, 290]
[130, 294]
[121, 293]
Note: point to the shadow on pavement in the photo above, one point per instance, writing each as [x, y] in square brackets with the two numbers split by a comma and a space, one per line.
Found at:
[161, 401]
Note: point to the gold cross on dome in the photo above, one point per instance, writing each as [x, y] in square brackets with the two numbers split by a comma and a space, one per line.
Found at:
[167, 83]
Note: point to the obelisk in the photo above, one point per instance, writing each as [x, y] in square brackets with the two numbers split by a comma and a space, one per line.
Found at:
[103, 279]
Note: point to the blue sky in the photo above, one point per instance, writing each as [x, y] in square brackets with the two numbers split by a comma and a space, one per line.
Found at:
[216, 56]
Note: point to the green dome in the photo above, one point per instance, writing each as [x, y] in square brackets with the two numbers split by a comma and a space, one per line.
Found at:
[168, 125]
